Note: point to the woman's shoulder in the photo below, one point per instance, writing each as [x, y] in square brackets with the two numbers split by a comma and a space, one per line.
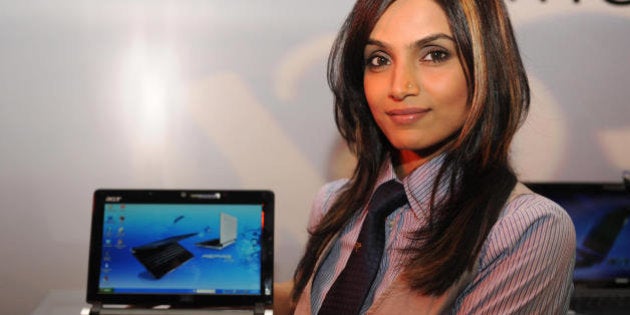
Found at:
[323, 200]
[528, 216]
[527, 207]
[333, 187]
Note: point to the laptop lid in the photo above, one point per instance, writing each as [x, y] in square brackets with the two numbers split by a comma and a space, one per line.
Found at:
[600, 213]
[229, 227]
[144, 248]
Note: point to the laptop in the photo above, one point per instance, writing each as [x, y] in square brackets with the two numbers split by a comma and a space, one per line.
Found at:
[161, 257]
[601, 215]
[227, 233]
[150, 252]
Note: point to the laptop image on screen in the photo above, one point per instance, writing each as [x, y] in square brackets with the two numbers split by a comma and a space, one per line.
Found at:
[227, 233]
[146, 257]
[161, 257]
[601, 215]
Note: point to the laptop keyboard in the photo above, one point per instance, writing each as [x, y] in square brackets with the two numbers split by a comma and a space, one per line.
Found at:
[601, 300]
[170, 253]
[163, 259]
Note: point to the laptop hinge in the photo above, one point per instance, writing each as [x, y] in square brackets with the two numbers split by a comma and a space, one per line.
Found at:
[259, 309]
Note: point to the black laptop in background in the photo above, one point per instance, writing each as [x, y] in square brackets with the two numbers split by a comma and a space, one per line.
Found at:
[163, 256]
[601, 215]
[145, 256]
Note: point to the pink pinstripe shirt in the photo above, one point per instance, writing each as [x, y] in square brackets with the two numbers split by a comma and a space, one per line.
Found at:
[525, 265]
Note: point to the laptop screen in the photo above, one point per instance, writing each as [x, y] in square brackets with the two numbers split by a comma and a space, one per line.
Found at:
[191, 248]
[600, 213]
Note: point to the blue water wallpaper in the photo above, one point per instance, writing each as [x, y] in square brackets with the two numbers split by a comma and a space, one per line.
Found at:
[603, 236]
[234, 269]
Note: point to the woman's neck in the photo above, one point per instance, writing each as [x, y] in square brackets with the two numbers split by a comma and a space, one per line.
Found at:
[407, 161]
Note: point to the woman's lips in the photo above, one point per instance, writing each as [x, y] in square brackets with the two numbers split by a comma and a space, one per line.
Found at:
[406, 115]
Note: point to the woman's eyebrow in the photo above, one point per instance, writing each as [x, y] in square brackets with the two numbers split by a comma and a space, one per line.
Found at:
[431, 38]
[419, 43]
[374, 42]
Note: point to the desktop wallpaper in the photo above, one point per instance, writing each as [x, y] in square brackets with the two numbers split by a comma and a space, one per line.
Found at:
[234, 269]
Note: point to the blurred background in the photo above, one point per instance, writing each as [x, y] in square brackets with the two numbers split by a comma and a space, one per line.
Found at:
[232, 95]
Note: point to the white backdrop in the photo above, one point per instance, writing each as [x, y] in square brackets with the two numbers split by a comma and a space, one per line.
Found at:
[232, 94]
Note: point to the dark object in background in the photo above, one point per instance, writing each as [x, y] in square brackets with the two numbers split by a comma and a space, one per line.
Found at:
[601, 237]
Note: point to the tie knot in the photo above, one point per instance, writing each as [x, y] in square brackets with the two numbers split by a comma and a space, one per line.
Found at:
[387, 197]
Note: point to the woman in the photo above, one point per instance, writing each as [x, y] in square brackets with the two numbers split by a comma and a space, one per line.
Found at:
[429, 93]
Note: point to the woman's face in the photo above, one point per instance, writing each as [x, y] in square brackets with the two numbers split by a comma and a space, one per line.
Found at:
[414, 83]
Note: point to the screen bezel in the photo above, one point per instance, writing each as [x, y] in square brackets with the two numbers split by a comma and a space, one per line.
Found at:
[198, 300]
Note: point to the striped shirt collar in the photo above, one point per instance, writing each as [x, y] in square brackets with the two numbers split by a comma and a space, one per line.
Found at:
[418, 185]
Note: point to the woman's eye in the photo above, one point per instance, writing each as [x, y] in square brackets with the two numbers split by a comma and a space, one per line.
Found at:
[436, 56]
[376, 61]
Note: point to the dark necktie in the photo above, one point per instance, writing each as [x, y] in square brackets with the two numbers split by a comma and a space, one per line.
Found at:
[348, 293]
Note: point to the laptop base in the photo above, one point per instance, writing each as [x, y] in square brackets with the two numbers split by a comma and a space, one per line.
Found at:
[601, 301]
[259, 309]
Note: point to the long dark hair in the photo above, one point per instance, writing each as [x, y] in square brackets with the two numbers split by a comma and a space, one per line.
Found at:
[476, 166]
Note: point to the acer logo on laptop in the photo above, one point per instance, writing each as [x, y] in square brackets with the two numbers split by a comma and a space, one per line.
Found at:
[215, 196]
[113, 199]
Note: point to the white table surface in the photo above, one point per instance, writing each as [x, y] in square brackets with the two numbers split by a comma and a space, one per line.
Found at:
[72, 302]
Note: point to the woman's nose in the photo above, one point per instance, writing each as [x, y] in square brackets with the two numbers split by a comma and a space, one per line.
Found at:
[404, 82]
